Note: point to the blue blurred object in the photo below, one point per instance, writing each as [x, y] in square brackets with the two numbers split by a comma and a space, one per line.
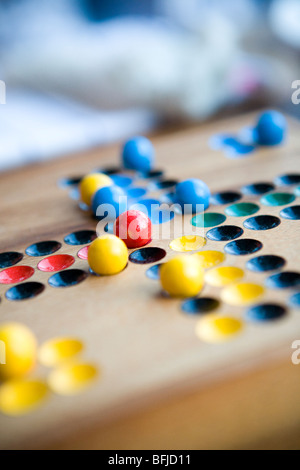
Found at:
[138, 154]
[234, 147]
[121, 180]
[192, 193]
[99, 10]
[271, 128]
[136, 192]
[113, 201]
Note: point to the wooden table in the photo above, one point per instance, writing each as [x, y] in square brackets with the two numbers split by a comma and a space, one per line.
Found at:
[160, 386]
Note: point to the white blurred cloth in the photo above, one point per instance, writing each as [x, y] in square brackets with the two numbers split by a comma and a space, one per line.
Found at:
[35, 126]
[285, 20]
[131, 62]
[117, 77]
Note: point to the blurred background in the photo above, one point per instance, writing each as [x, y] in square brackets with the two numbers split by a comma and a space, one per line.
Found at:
[81, 73]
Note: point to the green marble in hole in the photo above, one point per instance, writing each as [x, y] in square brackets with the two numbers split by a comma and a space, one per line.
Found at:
[208, 219]
[242, 209]
[277, 199]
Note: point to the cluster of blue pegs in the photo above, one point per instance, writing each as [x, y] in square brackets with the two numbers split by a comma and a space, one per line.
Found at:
[270, 130]
[101, 192]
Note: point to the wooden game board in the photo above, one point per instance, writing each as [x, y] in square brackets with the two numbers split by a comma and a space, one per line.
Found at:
[160, 386]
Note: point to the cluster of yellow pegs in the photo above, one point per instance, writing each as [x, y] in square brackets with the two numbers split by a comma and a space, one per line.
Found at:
[19, 393]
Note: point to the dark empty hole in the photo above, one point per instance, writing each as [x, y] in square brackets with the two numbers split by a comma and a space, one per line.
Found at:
[262, 222]
[291, 213]
[287, 180]
[164, 184]
[81, 237]
[111, 170]
[154, 174]
[224, 233]
[43, 248]
[201, 305]
[265, 263]
[284, 280]
[24, 291]
[265, 312]
[10, 258]
[66, 182]
[67, 278]
[258, 188]
[245, 246]
[226, 197]
[147, 255]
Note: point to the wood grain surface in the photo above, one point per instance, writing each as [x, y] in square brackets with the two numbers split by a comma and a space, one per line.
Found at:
[160, 387]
